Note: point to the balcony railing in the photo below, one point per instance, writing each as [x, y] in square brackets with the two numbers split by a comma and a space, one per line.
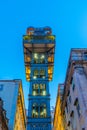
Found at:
[38, 39]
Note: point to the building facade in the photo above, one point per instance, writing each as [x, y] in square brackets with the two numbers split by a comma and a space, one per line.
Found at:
[3, 118]
[39, 45]
[12, 94]
[75, 91]
[59, 119]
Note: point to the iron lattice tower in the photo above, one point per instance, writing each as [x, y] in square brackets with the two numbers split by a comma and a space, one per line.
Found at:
[39, 47]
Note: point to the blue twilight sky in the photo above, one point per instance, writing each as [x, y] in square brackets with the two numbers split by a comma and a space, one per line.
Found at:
[68, 20]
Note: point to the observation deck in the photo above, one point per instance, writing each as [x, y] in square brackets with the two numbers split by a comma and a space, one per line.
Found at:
[39, 41]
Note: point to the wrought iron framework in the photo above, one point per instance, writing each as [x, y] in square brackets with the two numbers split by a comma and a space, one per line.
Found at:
[39, 42]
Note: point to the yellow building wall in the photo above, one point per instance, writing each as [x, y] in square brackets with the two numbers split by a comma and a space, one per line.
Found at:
[20, 117]
[58, 118]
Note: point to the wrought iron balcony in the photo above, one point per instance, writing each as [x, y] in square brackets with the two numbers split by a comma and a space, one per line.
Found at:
[38, 39]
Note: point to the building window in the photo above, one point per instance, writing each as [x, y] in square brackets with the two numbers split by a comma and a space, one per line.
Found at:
[42, 58]
[42, 89]
[35, 110]
[39, 89]
[39, 73]
[43, 112]
[73, 86]
[68, 123]
[77, 106]
[78, 109]
[66, 107]
[36, 58]
[39, 58]
[72, 119]
[36, 73]
[42, 73]
[35, 91]
[70, 99]
[39, 110]
[75, 56]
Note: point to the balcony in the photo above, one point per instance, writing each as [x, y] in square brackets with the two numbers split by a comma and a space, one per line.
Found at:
[38, 39]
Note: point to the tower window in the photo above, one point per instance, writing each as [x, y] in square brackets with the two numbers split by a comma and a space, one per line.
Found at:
[39, 111]
[42, 58]
[39, 89]
[35, 91]
[43, 111]
[36, 58]
[42, 89]
[42, 73]
[36, 73]
[39, 73]
[39, 58]
[35, 110]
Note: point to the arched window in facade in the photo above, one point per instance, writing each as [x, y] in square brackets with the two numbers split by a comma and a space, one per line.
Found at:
[43, 111]
[39, 110]
[35, 109]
